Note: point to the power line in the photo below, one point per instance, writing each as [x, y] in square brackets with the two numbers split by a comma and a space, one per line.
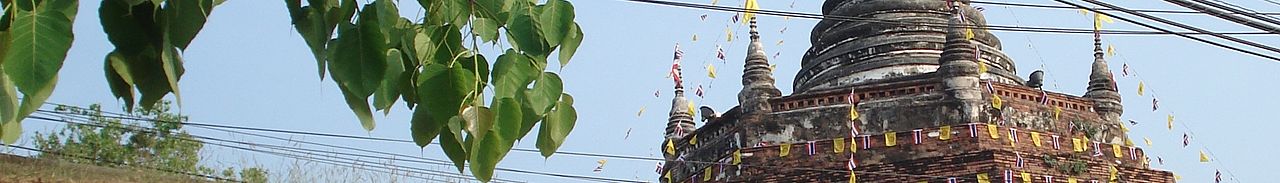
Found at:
[1168, 31]
[1103, 9]
[927, 24]
[286, 155]
[420, 159]
[123, 163]
[1225, 16]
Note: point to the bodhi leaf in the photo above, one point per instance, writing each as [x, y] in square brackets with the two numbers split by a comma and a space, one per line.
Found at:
[570, 44]
[512, 73]
[389, 90]
[556, 19]
[444, 93]
[8, 110]
[486, 28]
[10, 132]
[361, 63]
[358, 105]
[545, 92]
[490, 149]
[556, 126]
[119, 78]
[479, 120]
[39, 41]
[184, 19]
[316, 24]
[522, 29]
[454, 150]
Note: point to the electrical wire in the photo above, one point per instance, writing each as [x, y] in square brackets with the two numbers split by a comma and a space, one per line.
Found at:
[928, 24]
[1168, 31]
[1027, 5]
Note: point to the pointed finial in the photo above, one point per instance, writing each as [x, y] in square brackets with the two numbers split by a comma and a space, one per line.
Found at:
[755, 35]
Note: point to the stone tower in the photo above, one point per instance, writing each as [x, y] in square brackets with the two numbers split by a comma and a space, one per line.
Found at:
[929, 111]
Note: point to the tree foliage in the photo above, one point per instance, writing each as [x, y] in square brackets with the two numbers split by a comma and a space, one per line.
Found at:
[377, 57]
[35, 36]
[107, 141]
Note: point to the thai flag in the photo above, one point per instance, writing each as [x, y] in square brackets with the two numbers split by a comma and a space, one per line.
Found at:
[1093, 181]
[1048, 179]
[1155, 104]
[1217, 176]
[990, 88]
[1186, 140]
[852, 163]
[973, 130]
[1133, 153]
[952, 180]
[1008, 176]
[698, 91]
[1097, 150]
[719, 53]
[812, 150]
[915, 134]
[866, 142]
[853, 102]
[1018, 162]
[659, 169]
[1125, 69]
[1161, 160]
[1013, 135]
[675, 65]
[1044, 97]
[1055, 142]
[762, 144]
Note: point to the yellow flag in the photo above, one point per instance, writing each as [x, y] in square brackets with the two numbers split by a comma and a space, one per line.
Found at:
[773, 67]
[944, 133]
[1148, 140]
[695, 37]
[839, 145]
[890, 139]
[1115, 148]
[713, 2]
[1071, 180]
[853, 145]
[784, 150]
[729, 33]
[737, 156]
[641, 112]
[982, 67]
[1085, 143]
[779, 42]
[694, 140]
[711, 71]
[750, 12]
[852, 177]
[691, 108]
[996, 102]
[668, 176]
[1111, 51]
[1084, 12]
[853, 113]
[1204, 158]
[1035, 138]
[671, 147]
[1026, 177]
[706, 174]
[1123, 128]
[1128, 142]
[968, 34]
[983, 178]
[1076, 145]
[1170, 121]
[1098, 19]
[1057, 112]
[1141, 86]
[1113, 171]
[995, 133]
[1177, 177]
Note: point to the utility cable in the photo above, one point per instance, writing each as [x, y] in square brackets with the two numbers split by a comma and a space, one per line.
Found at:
[1168, 31]
[1027, 5]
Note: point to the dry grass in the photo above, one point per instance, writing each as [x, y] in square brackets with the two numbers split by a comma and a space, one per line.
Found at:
[21, 169]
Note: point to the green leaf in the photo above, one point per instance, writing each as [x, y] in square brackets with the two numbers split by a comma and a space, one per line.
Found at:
[486, 28]
[556, 21]
[491, 148]
[522, 29]
[40, 39]
[10, 132]
[316, 24]
[545, 93]
[512, 73]
[445, 92]
[454, 150]
[359, 105]
[8, 101]
[491, 9]
[422, 128]
[556, 126]
[570, 44]
[129, 28]
[388, 92]
[119, 78]
[183, 20]
[171, 64]
[361, 63]
[478, 64]
[32, 101]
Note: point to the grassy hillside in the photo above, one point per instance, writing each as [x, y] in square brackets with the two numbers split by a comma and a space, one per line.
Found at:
[23, 169]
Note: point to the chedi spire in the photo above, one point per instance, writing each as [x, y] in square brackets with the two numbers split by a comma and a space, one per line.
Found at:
[757, 77]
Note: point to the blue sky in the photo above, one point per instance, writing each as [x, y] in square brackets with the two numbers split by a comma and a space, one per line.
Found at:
[248, 67]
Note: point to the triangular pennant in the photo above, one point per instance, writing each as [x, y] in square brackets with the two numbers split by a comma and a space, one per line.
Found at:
[751, 7]
[1204, 158]
[737, 156]
[1170, 121]
[671, 147]
[694, 140]
[853, 113]
[1141, 87]
[711, 71]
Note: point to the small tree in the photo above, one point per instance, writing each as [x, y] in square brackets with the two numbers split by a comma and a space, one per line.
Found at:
[107, 141]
